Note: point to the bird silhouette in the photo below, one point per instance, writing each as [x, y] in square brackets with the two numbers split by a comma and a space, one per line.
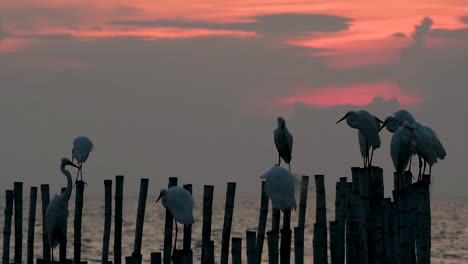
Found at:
[283, 142]
[82, 146]
[279, 187]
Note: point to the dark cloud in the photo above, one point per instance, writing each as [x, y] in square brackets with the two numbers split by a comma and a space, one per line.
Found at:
[421, 31]
[450, 33]
[399, 35]
[464, 19]
[266, 24]
[3, 32]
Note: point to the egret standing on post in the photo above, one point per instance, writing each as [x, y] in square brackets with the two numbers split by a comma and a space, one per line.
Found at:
[362, 142]
[279, 187]
[283, 142]
[82, 146]
[366, 124]
[180, 203]
[57, 211]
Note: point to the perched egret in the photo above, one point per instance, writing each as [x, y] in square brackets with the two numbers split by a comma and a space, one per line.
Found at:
[180, 202]
[366, 124]
[279, 187]
[402, 115]
[283, 142]
[82, 146]
[362, 142]
[57, 210]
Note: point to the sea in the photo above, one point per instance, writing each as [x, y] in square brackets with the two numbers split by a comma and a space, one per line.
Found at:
[449, 228]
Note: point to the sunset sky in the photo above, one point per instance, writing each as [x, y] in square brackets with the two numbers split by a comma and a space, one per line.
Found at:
[192, 88]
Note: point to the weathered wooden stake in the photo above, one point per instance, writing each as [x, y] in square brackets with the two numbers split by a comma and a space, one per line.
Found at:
[210, 258]
[63, 244]
[228, 210]
[77, 222]
[31, 224]
[188, 254]
[107, 220]
[334, 252]
[364, 190]
[251, 251]
[341, 220]
[155, 257]
[405, 225]
[236, 250]
[299, 230]
[320, 226]
[45, 239]
[168, 228]
[273, 253]
[140, 220]
[207, 213]
[285, 246]
[262, 223]
[18, 189]
[7, 226]
[119, 181]
[299, 245]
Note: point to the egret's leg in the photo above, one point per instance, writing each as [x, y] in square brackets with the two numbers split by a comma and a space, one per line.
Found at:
[420, 166]
[367, 154]
[424, 170]
[279, 159]
[289, 165]
[372, 155]
[175, 240]
[430, 170]
[81, 174]
[52, 254]
[409, 166]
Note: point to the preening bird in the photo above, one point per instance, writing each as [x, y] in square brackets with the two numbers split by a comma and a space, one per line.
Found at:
[57, 210]
[279, 187]
[283, 142]
[362, 142]
[180, 202]
[366, 124]
[82, 146]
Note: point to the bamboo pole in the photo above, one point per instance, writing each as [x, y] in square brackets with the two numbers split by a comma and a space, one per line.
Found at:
[9, 196]
[107, 220]
[136, 255]
[210, 258]
[374, 239]
[273, 254]
[285, 247]
[388, 233]
[275, 219]
[334, 252]
[228, 210]
[31, 224]
[262, 223]
[355, 223]
[349, 217]
[396, 226]
[63, 243]
[320, 226]
[251, 250]
[45, 239]
[236, 250]
[405, 225]
[188, 254]
[18, 190]
[364, 189]
[168, 228]
[207, 213]
[299, 245]
[178, 256]
[341, 221]
[303, 201]
[77, 222]
[119, 181]
[423, 221]
[155, 257]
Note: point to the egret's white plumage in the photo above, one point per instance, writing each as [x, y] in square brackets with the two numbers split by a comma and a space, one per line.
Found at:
[362, 142]
[401, 148]
[283, 142]
[279, 187]
[366, 124]
[403, 115]
[82, 146]
[57, 211]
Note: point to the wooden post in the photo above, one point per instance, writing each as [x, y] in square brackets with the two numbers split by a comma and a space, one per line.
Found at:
[396, 227]
[119, 181]
[320, 226]
[209, 256]
[350, 243]
[355, 222]
[423, 221]
[251, 251]
[262, 223]
[107, 220]
[388, 233]
[228, 210]
[45, 239]
[136, 255]
[188, 254]
[7, 226]
[374, 239]
[207, 212]
[285, 246]
[236, 250]
[18, 190]
[155, 257]
[63, 244]
[341, 220]
[168, 228]
[178, 256]
[31, 224]
[272, 237]
[275, 219]
[299, 245]
[334, 252]
[77, 222]
[364, 189]
[405, 233]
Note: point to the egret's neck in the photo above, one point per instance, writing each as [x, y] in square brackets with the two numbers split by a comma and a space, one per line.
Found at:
[68, 191]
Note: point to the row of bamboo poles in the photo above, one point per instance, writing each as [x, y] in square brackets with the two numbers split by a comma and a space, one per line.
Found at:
[368, 228]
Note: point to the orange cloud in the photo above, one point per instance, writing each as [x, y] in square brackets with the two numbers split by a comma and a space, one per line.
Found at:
[357, 95]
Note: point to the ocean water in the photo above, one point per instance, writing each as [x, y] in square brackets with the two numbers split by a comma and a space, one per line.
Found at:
[449, 228]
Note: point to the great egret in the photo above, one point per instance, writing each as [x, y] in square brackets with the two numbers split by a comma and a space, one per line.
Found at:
[362, 142]
[180, 202]
[283, 142]
[82, 146]
[366, 124]
[279, 187]
[57, 210]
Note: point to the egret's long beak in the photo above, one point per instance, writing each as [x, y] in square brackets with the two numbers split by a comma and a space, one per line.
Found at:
[72, 164]
[383, 125]
[380, 121]
[158, 198]
[411, 130]
[342, 118]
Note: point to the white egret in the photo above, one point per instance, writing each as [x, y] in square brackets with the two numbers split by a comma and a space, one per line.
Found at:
[366, 124]
[279, 187]
[82, 146]
[402, 115]
[57, 210]
[283, 142]
[180, 203]
[362, 142]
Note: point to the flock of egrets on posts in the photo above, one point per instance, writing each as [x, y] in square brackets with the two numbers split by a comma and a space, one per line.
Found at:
[409, 138]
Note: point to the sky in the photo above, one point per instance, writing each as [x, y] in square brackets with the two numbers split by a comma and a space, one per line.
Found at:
[192, 89]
